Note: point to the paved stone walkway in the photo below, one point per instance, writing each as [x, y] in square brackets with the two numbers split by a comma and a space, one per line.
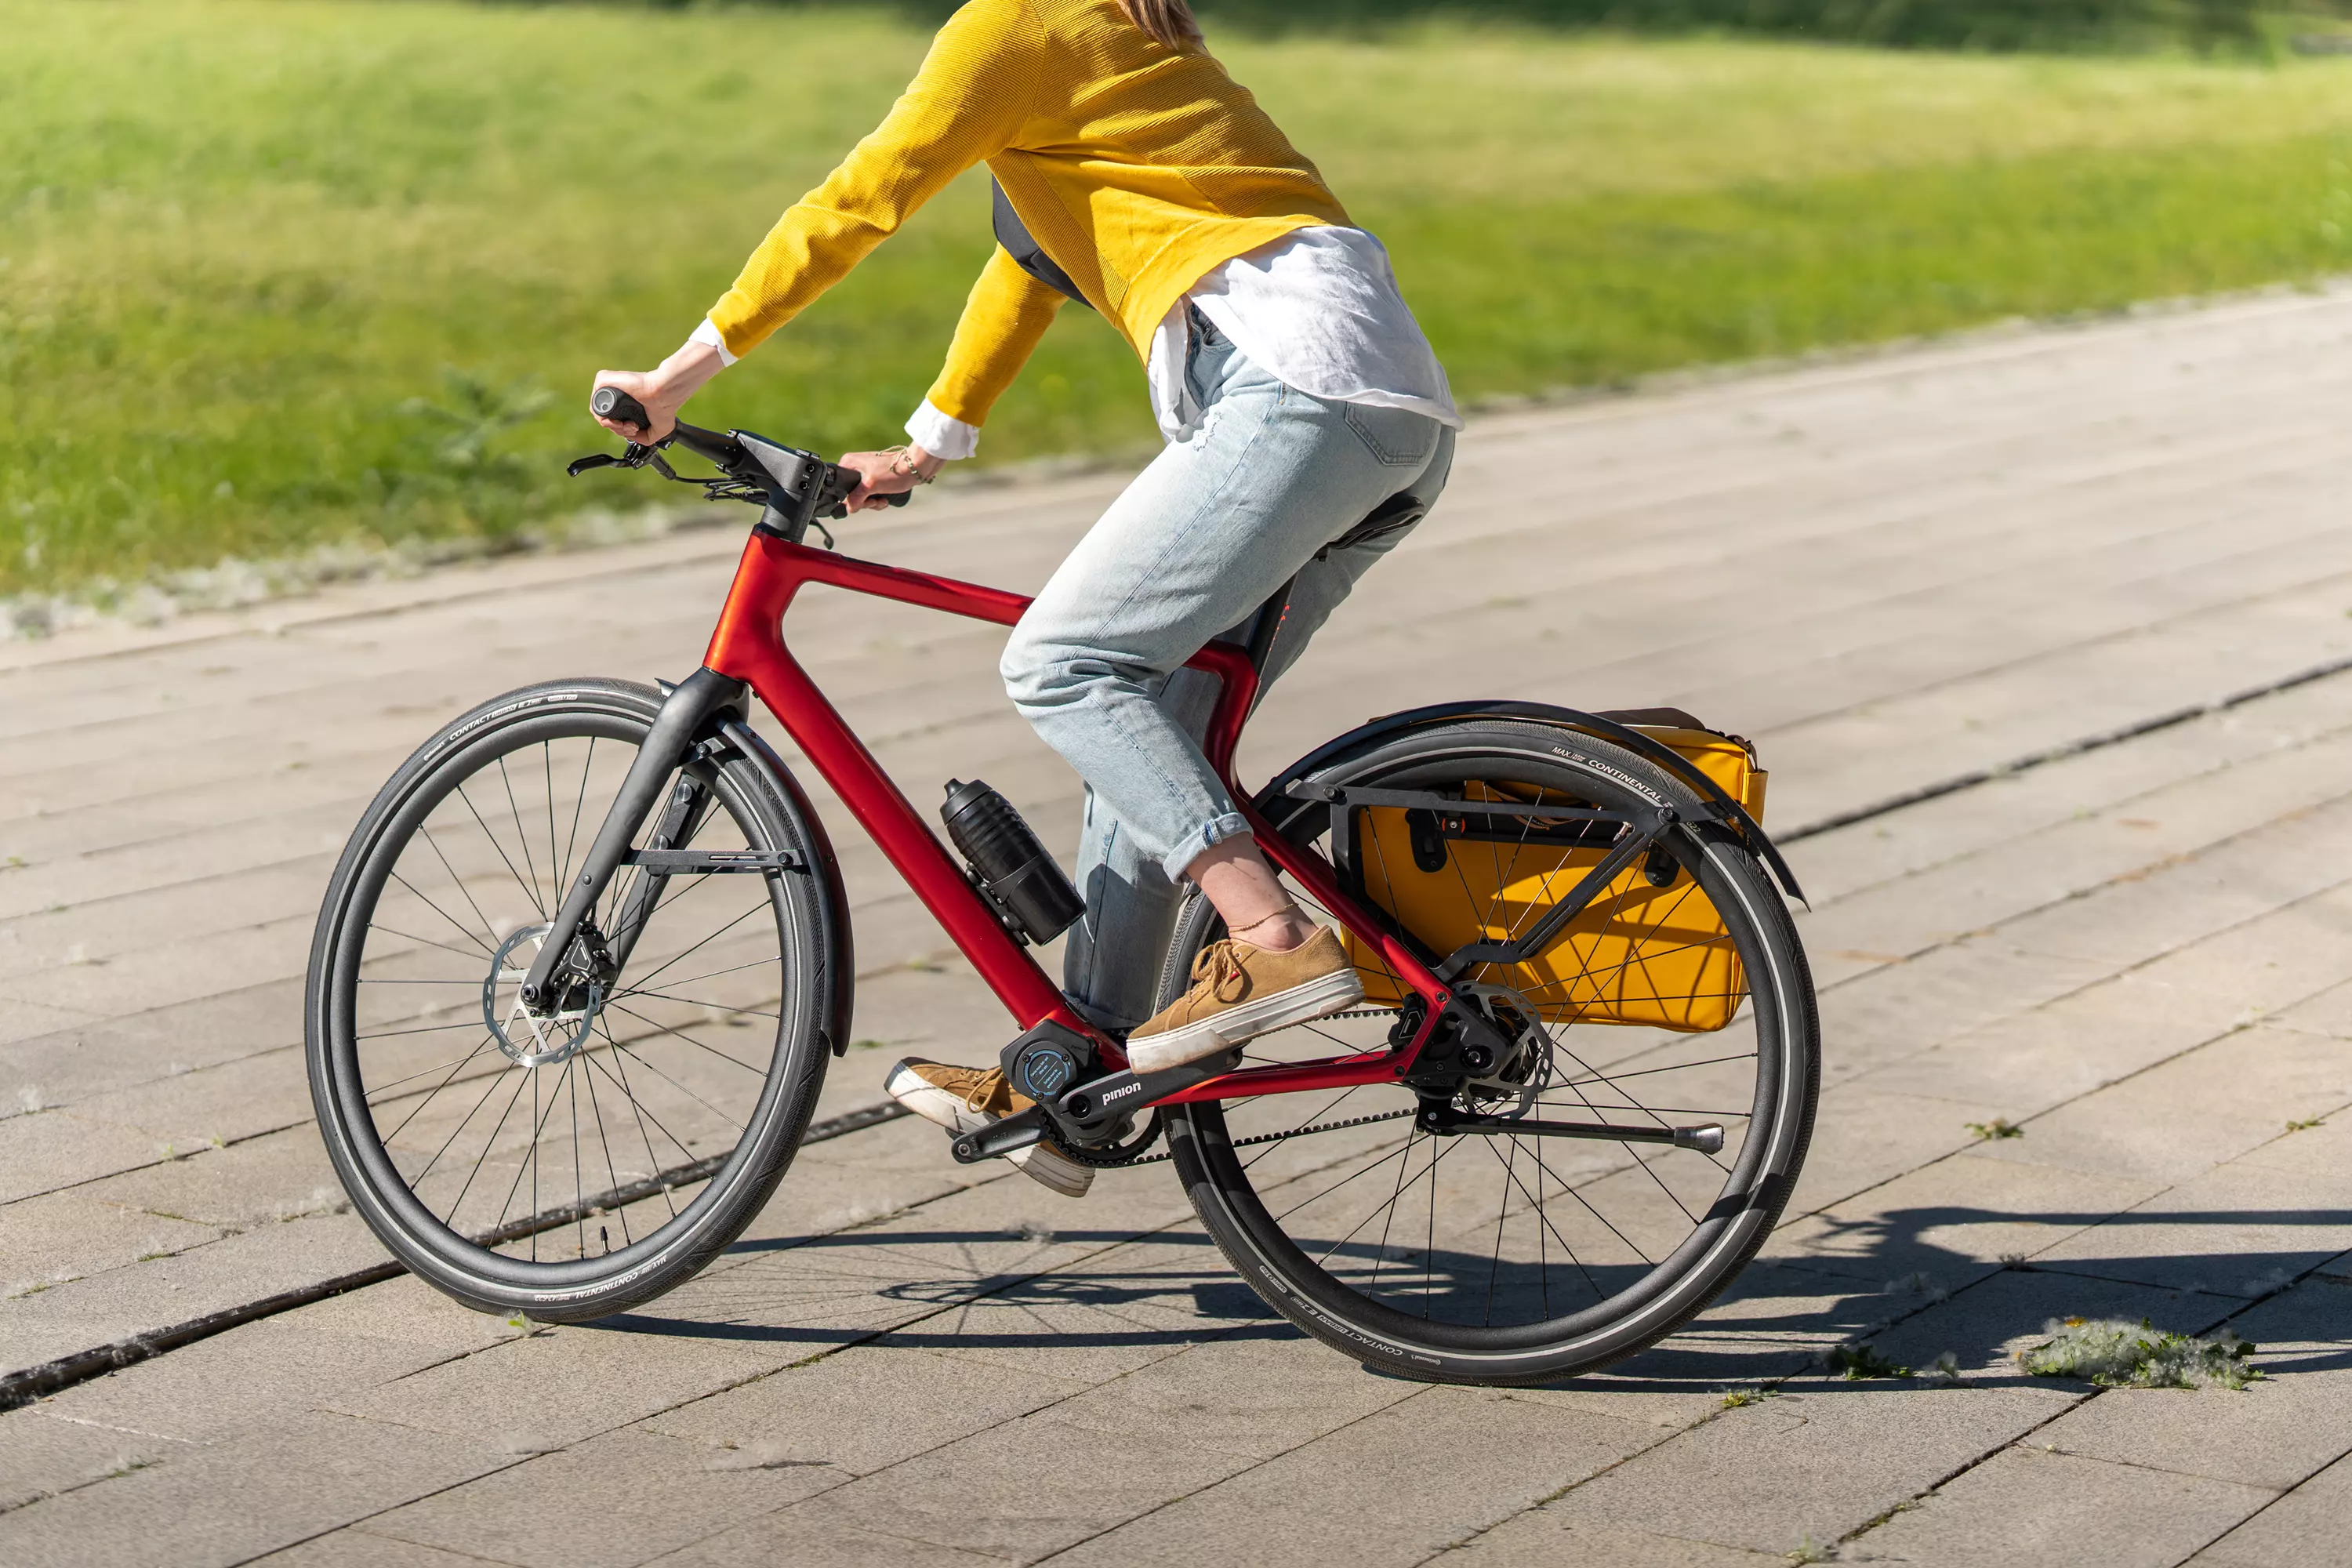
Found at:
[1890, 574]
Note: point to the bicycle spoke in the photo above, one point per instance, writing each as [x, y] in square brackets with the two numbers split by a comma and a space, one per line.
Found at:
[488, 928]
[450, 1219]
[612, 1172]
[463, 929]
[690, 1040]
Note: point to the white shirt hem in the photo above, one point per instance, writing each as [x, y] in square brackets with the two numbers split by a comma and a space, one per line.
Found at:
[942, 434]
[707, 333]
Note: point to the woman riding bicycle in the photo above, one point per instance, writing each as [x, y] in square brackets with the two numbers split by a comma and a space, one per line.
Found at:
[1296, 393]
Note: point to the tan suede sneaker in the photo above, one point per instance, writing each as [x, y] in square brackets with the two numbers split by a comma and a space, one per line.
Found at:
[965, 1099]
[1240, 992]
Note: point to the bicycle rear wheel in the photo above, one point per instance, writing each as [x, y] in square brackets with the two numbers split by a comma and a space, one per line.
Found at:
[568, 1165]
[1502, 1257]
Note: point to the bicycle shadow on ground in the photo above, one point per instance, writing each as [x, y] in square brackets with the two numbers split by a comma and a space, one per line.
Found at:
[1897, 1283]
[1888, 1281]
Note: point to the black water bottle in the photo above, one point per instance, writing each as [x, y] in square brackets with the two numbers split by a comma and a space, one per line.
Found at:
[1011, 867]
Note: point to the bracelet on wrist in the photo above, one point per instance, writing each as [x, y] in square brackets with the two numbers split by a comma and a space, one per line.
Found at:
[904, 463]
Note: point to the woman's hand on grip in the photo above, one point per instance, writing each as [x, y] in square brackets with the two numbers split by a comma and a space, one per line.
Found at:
[663, 390]
[890, 473]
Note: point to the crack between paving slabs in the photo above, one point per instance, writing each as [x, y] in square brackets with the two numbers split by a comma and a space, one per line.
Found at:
[28, 1384]
[2081, 746]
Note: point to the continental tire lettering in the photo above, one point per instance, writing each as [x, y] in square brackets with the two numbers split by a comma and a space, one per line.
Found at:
[1595, 764]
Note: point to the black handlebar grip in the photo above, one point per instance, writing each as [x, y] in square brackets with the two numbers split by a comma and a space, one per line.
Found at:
[612, 403]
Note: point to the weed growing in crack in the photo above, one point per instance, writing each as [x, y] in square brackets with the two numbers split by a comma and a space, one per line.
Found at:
[1739, 1397]
[1860, 1363]
[2000, 1127]
[2292, 1126]
[1945, 1368]
[2114, 1353]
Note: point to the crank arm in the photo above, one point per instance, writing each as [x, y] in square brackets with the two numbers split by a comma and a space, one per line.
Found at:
[1707, 1138]
[1004, 1137]
[1092, 1109]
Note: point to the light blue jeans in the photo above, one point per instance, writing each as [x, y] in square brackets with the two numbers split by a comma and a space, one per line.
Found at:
[1219, 522]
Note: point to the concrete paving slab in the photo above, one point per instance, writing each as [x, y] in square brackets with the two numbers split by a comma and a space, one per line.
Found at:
[795, 1537]
[1337, 1498]
[862, 1410]
[261, 1180]
[357, 1548]
[52, 1241]
[2186, 1115]
[52, 1149]
[1809, 1466]
[217, 1388]
[2239, 1230]
[1252, 1397]
[1954, 1220]
[982, 1493]
[650, 1494]
[309, 1475]
[2028, 1506]
[43, 1456]
[552, 1388]
[69, 1063]
[180, 1287]
[1540, 1539]
[2305, 1525]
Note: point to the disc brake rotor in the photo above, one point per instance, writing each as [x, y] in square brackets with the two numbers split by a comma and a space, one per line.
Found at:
[1517, 1080]
[531, 1038]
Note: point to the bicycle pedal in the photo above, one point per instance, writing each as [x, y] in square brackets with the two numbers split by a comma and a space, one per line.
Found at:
[1008, 1136]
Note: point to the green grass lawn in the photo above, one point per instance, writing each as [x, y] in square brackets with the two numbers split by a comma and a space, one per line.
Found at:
[279, 273]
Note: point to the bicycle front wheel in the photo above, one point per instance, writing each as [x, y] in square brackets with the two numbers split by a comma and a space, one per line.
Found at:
[573, 1163]
[1680, 998]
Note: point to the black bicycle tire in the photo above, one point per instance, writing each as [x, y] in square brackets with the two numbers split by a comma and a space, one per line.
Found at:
[586, 1288]
[1293, 1286]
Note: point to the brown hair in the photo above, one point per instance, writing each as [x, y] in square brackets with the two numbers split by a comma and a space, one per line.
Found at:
[1170, 21]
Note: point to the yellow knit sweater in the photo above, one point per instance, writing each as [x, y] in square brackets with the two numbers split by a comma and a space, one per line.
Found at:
[1137, 167]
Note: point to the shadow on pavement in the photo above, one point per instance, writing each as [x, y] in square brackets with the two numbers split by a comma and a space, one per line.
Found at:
[1886, 1280]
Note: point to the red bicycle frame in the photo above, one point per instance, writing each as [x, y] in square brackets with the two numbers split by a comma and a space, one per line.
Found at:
[748, 645]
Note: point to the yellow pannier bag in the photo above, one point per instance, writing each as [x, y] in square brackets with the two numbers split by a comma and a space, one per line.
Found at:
[1639, 955]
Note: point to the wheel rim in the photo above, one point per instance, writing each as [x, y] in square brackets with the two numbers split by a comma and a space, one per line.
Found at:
[1478, 1243]
[587, 1150]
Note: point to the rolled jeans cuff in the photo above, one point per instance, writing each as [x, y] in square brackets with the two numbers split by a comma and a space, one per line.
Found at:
[1216, 830]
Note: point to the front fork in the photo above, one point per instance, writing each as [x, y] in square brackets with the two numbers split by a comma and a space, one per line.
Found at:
[685, 713]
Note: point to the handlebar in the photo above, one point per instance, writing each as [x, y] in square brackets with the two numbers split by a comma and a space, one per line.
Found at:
[748, 477]
[612, 403]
